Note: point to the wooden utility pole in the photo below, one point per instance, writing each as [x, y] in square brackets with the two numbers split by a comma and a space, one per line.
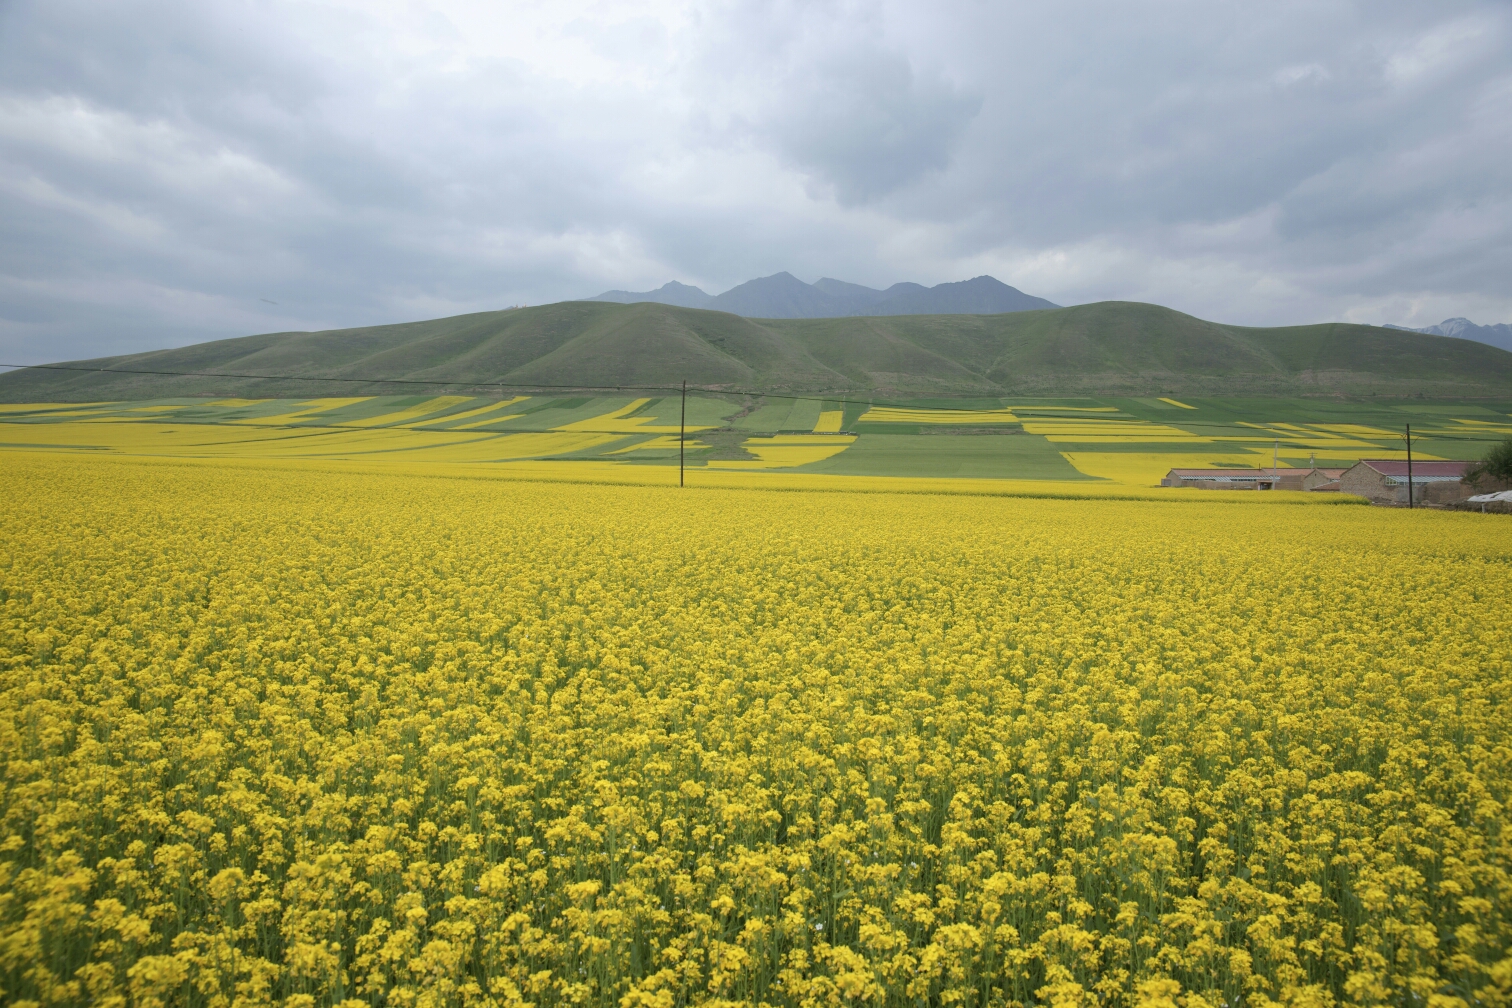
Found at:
[1410, 503]
[682, 433]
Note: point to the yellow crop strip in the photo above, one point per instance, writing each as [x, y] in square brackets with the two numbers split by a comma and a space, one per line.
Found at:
[829, 422]
[484, 423]
[1173, 402]
[787, 451]
[112, 411]
[618, 421]
[480, 411]
[304, 411]
[1148, 468]
[1486, 426]
[899, 414]
[47, 407]
[409, 414]
[339, 442]
[1358, 430]
[486, 448]
[1091, 431]
[657, 443]
[145, 438]
[296, 733]
[232, 442]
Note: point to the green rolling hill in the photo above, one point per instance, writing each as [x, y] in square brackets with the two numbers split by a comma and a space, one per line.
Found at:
[1111, 347]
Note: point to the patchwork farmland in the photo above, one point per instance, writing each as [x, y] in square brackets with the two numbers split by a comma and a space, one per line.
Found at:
[352, 700]
[1127, 441]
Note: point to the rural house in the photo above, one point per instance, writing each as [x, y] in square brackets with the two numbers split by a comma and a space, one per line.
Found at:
[1322, 479]
[1235, 479]
[1384, 481]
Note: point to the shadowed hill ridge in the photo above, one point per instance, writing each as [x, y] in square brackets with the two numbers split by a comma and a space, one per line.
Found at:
[1108, 347]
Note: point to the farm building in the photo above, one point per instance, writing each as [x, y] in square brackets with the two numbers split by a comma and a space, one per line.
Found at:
[1322, 479]
[1384, 481]
[1235, 479]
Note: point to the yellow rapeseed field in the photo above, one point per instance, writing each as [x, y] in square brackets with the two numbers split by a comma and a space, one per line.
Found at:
[300, 735]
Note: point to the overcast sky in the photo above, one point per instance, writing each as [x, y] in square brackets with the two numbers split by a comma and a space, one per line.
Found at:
[178, 171]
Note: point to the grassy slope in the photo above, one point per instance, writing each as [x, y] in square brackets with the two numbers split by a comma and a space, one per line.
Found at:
[1110, 347]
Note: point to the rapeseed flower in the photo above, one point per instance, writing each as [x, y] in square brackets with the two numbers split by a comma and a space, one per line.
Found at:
[301, 737]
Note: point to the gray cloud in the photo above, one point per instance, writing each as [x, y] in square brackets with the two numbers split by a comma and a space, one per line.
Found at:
[168, 169]
[868, 126]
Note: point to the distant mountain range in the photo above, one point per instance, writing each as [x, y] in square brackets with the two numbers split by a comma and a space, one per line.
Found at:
[1462, 328]
[783, 295]
[1113, 347]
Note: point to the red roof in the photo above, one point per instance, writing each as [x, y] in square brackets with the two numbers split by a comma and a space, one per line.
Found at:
[1221, 473]
[1395, 467]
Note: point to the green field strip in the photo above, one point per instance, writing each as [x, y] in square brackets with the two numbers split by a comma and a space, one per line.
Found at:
[75, 411]
[253, 435]
[207, 413]
[35, 420]
[479, 411]
[55, 447]
[345, 451]
[23, 409]
[804, 414]
[648, 458]
[560, 412]
[214, 415]
[853, 412]
[1021, 456]
[452, 408]
[782, 414]
[1100, 407]
[370, 409]
[1137, 447]
[872, 427]
[936, 402]
[600, 451]
[1463, 451]
[703, 411]
[559, 403]
[771, 415]
[1151, 410]
[1448, 410]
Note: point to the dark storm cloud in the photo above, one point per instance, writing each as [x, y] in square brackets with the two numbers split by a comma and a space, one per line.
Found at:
[168, 170]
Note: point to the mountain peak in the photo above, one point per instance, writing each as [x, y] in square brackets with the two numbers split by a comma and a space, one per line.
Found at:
[1459, 327]
[782, 295]
[783, 279]
[671, 292]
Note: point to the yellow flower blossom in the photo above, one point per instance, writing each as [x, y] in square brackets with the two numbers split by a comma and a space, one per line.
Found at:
[304, 735]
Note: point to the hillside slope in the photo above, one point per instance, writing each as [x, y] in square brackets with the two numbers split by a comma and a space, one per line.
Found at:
[1110, 347]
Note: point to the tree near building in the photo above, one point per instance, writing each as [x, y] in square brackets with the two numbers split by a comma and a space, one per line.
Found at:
[1495, 466]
